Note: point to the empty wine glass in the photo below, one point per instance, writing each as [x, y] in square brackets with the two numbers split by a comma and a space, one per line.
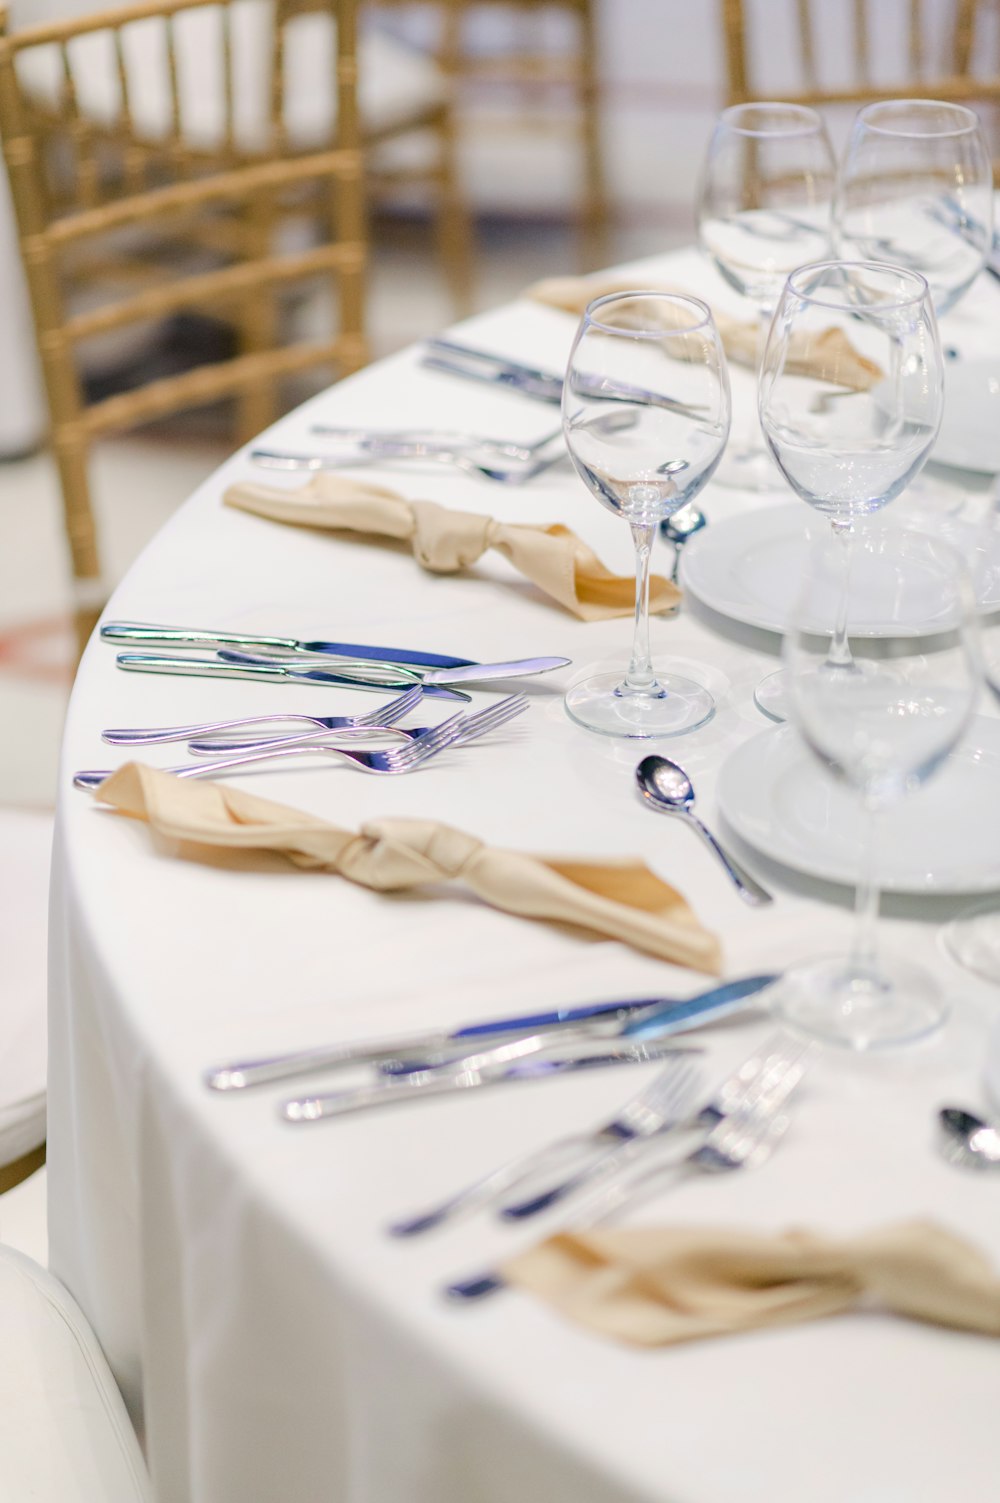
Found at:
[850, 399]
[883, 727]
[764, 208]
[646, 417]
[915, 188]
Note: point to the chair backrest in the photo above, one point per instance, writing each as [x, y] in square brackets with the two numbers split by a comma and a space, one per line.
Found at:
[854, 51]
[99, 161]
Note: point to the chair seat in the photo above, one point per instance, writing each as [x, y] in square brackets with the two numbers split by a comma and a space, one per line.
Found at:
[65, 1436]
[25, 853]
[397, 85]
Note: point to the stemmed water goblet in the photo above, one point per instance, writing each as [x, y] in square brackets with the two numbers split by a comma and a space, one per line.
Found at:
[883, 726]
[915, 188]
[850, 399]
[764, 206]
[646, 413]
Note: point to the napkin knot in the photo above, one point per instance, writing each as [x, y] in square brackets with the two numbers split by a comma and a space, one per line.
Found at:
[394, 854]
[445, 541]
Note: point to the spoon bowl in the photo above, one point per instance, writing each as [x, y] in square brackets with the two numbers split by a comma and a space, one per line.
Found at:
[678, 528]
[968, 1140]
[666, 787]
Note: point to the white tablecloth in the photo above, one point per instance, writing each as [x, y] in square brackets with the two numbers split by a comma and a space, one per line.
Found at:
[235, 1268]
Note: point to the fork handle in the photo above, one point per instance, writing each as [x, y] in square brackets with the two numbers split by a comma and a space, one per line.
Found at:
[91, 778]
[159, 735]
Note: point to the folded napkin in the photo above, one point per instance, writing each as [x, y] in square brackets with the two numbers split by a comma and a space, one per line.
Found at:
[652, 1286]
[621, 899]
[445, 541]
[827, 356]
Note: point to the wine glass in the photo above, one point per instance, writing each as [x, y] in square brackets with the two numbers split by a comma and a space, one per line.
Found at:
[915, 188]
[764, 208]
[883, 727]
[850, 398]
[646, 416]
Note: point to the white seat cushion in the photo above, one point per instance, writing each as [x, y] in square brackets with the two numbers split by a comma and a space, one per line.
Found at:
[65, 1436]
[397, 84]
[25, 855]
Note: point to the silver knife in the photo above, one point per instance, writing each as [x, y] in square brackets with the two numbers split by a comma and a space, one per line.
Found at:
[146, 634]
[238, 1075]
[267, 670]
[401, 675]
[545, 386]
[393, 1089]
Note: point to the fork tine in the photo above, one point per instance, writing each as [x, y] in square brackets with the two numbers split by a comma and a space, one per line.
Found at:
[394, 710]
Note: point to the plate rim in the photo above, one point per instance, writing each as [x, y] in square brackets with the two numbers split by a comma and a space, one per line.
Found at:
[887, 884]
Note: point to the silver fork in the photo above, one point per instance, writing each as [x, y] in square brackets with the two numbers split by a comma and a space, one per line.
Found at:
[384, 763]
[664, 1100]
[386, 714]
[471, 728]
[743, 1138]
[505, 474]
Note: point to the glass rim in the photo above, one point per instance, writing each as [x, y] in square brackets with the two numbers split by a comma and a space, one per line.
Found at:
[705, 321]
[969, 121]
[810, 120]
[921, 287]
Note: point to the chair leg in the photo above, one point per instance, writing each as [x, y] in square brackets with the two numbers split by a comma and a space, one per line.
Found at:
[256, 406]
[594, 207]
[81, 535]
[453, 222]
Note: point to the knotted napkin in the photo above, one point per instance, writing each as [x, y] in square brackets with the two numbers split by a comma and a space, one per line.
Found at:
[827, 355]
[445, 541]
[623, 900]
[653, 1286]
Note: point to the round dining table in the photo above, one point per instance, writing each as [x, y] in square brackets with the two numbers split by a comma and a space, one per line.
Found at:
[271, 1340]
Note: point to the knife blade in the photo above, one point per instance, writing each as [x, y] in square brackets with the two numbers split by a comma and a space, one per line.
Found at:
[146, 634]
[241, 1074]
[278, 671]
[546, 386]
[390, 1090]
[471, 673]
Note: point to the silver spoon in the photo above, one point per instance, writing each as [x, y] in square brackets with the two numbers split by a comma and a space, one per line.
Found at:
[667, 788]
[678, 528]
[967, 1140]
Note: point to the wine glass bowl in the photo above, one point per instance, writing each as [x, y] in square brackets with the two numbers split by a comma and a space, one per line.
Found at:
[763, 209]
[916, 189]
[646, 414]
[882, 724]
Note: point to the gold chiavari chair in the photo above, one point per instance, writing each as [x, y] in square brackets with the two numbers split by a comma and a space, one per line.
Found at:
[539, 75]
[857, 51]
[199, 224]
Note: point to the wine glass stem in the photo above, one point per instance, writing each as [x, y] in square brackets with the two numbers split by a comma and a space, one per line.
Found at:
[640, 676]
[839, 654]
[864, 954]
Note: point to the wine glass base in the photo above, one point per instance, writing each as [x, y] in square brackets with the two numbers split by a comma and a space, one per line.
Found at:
[834, 1002]
[771, 695]
[598, 703]
[973, 939]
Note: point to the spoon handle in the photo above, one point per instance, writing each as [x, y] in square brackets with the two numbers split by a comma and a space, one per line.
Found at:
[747, 886]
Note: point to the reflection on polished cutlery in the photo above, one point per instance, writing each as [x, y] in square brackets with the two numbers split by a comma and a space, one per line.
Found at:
[474, 673]
[488, 465]
[666, 1099]
[287, 671]
[546, 386]
[667, 788]
[967, 1140]
[743, 1136]
[145, 634]
[385, 715]
[240, 1074]
[391, 1090]
[427, 439]
[404, 759]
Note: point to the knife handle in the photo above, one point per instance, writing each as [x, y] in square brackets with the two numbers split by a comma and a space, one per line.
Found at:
[148, 662]
[379, 1093]
[144, 634]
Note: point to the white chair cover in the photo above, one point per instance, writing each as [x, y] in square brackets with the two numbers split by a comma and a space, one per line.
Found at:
[65, 1436]
[25, 855]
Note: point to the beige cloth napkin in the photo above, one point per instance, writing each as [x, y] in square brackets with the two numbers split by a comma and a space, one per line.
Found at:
[623, 900]
[652, 1286]
[828, 356]
[445, 541]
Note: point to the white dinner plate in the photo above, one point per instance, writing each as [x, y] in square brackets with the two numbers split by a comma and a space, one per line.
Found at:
[749, 568]
[943, 839]
[970, 427]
